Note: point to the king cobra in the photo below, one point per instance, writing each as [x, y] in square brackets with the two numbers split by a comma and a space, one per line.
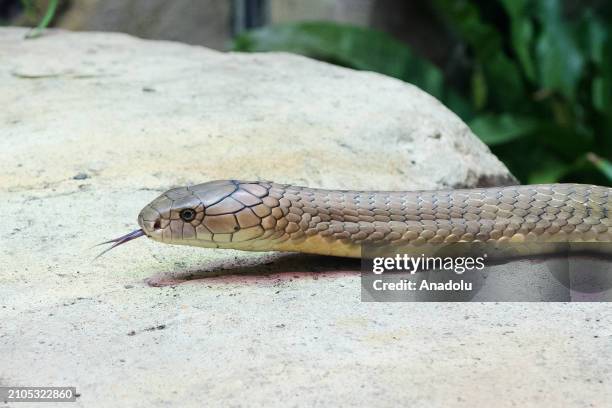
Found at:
[266, 216]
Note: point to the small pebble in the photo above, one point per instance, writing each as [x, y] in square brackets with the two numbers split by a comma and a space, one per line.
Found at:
[81, 176]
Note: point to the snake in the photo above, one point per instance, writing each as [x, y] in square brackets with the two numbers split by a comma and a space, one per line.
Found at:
[268, 216]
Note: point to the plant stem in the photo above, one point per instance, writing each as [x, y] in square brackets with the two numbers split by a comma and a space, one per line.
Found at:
[46, 20]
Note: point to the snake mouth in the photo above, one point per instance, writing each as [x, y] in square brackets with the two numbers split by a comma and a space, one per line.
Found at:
[120, 241]
[150, 223]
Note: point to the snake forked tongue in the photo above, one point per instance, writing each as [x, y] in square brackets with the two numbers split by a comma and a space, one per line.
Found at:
[120, 240]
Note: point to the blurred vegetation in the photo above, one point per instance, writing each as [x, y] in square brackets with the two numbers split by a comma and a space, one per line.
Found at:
[534, 83]
[39, 13]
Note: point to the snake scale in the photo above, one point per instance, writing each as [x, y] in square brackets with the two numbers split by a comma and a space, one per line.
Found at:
[266, 216]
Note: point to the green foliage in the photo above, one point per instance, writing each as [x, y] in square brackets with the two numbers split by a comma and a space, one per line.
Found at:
[537, 88]
[30, 8]
[605, 166]
[352, 47]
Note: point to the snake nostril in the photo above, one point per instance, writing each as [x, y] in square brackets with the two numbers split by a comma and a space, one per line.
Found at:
[157, 225]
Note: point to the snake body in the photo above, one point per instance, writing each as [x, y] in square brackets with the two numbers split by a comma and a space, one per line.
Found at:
[266, 216]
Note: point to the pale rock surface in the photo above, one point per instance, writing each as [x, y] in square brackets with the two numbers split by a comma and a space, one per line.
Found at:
[93, 126]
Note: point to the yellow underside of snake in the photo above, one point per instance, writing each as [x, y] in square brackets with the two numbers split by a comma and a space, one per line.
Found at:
[265, 216]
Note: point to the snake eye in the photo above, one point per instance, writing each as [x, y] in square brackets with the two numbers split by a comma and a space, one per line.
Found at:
[187, 214]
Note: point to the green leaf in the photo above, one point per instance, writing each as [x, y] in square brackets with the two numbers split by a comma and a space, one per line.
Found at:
[593, 35]
[346, 45]
[602, 83]
[529, 161]
[505, 85]
[568, 143]
[522, 39]
[479, 88]
[600, 93]
[560, 62]
[514, 8]
[522, 34]
[45, 21]
[549, 171]
[603, 165]
[497, 129]
[458, 104]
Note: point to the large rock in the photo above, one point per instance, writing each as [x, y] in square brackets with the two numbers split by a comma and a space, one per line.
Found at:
[93, 126]
[139, 114]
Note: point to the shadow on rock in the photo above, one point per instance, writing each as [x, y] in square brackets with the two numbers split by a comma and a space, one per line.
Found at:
[278, 267]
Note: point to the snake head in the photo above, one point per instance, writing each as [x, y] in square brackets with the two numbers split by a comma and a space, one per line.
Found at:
[217, 214]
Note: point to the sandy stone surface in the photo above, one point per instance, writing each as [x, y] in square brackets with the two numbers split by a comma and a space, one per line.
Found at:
[93, 126]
